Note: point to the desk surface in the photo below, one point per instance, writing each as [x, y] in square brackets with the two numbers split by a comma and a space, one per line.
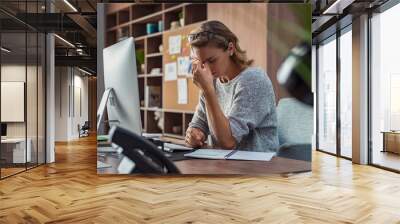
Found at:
[390, 132]
[276, 165]
[207, 166]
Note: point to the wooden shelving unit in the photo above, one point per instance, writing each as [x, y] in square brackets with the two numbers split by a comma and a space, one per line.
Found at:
[131, 22]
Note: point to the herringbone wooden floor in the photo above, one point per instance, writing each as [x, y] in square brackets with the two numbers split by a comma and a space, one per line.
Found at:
[70, 191]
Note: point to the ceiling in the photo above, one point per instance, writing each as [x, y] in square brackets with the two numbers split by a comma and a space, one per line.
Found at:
[79, 27]
[16, 42]
[325, 21]
[76, 25]
[34, 6]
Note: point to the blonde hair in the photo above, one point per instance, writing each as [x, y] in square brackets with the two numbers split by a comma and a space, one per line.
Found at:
[221, 38]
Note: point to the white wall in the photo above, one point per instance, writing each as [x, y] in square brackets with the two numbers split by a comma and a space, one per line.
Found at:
[12, 73]
[70, 83]
[61, 103]
[79, 117]
[33, 126]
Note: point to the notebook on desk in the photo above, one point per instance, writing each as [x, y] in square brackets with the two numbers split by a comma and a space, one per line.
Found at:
[175, 147]
[102, 165]
[231, 155]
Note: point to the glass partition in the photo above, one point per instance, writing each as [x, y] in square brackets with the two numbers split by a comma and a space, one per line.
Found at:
[22, 88]
[385, 89]
[327, 95]
[14, 153]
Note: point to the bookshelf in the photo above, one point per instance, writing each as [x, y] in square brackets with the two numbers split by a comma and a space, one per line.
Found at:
[131, 21]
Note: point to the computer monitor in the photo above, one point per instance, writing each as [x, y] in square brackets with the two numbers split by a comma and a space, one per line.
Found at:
[3, 129]
[120, 75]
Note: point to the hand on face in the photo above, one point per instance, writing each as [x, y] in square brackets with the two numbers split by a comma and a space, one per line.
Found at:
[194, 137]
[202, 76]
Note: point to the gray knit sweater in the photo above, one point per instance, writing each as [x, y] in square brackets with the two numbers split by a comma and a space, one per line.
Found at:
[248, 101]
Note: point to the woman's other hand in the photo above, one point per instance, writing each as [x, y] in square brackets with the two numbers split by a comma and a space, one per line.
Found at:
[195, 137]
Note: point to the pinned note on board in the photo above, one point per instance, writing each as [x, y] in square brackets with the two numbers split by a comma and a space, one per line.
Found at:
[183, 65]
[174, 43]
[182, 91]
[170, 71]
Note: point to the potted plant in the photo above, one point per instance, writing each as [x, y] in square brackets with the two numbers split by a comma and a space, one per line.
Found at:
[181, 19]
[140, 59]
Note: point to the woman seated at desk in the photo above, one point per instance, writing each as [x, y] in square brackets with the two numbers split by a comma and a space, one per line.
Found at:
[237, 103]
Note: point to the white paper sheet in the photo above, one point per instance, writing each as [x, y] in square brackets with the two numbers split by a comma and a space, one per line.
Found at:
[126, 166]
[255, 156]
[170, 71]
[174, 44]
[209, 153]
[182, 91]
[183, 65]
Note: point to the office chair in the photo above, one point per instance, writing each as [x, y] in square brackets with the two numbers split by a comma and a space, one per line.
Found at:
[295, 128]
[84, 130]
[295, 115]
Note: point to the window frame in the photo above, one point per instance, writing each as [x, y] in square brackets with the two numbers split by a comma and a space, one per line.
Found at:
[333, 37]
